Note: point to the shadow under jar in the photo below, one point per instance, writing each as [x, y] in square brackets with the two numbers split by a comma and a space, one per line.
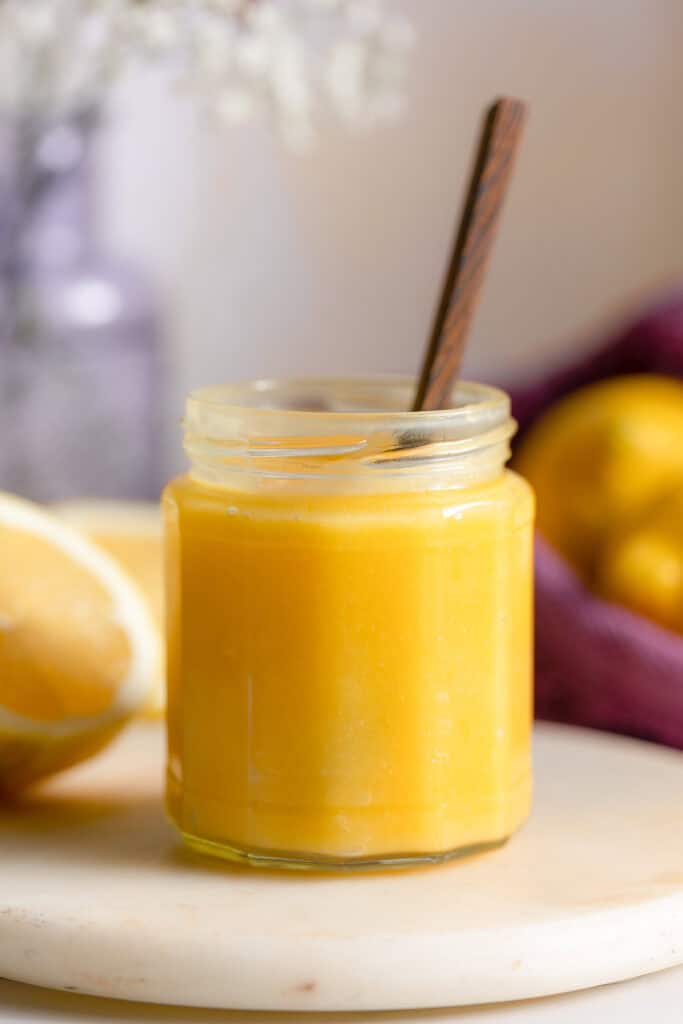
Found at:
[349, 625]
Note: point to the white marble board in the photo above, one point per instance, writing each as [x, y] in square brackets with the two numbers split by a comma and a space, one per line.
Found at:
[98, 896]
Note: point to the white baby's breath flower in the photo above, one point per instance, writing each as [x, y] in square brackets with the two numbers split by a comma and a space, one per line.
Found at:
[235, 105]
[157, 28]
[399, 34]
[344, 77]
[280, 58]
[213, 50]
[365, 17]
[265, 16]
[252, 55]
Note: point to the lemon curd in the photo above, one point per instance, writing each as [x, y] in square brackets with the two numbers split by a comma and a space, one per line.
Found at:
[349, 626]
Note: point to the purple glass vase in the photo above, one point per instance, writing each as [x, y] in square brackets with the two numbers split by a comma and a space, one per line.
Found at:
[79, 346]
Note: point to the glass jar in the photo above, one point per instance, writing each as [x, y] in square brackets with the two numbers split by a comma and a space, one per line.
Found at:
[80, 360]
[349, 625]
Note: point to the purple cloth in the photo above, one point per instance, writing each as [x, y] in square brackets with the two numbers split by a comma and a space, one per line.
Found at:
[651, 344]
[598, 664]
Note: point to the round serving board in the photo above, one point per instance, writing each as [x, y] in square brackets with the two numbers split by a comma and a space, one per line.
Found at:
[98, 896]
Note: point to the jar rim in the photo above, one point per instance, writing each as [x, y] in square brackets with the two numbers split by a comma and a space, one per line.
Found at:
[471, 400]
[352, 425]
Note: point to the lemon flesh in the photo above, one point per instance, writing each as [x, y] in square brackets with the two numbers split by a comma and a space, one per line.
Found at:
[130, 532]
[77, 645]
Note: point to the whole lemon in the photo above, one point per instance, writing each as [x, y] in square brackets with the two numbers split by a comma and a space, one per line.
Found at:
[599, 457]
[642, 567]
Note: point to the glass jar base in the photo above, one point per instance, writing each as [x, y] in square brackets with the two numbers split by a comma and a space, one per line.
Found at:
[276, 860]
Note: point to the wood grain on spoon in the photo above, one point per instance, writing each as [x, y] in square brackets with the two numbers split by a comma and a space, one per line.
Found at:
[476, 234]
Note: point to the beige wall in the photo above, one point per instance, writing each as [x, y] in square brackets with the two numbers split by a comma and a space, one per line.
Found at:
[275, 263]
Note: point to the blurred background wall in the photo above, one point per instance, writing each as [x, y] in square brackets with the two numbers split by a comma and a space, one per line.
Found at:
[271, 262]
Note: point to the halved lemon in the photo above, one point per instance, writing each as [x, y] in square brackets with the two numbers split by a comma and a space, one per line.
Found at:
[131, 532]
[77, 645]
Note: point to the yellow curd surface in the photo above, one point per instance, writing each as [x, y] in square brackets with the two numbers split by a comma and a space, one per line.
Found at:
[349, 674]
